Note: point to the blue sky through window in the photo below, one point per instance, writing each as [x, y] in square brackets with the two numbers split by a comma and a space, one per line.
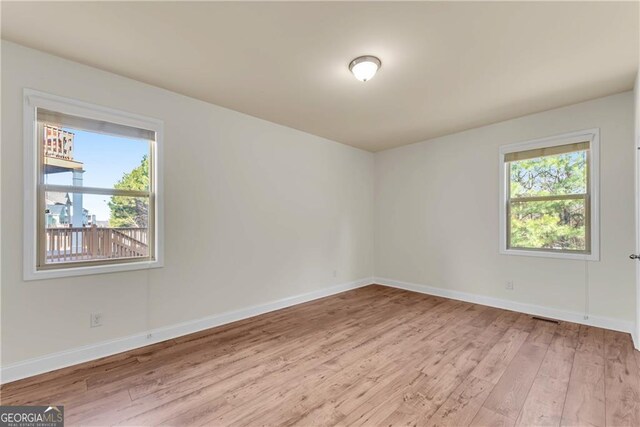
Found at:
[106, 159]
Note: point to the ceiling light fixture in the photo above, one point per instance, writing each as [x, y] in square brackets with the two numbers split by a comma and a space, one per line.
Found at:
[365, 67]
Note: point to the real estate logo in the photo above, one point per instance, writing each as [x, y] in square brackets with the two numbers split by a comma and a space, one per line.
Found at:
[31, 416]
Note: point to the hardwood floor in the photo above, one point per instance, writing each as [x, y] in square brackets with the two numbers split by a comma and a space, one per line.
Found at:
[372, 356]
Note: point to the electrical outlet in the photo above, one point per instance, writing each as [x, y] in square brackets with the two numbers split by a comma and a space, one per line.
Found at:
[509, 285]
[335, 273]
[96, 320]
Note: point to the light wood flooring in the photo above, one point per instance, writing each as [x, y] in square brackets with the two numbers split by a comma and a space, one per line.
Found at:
[375, 356]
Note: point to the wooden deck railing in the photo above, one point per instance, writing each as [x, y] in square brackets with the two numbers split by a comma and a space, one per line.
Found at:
[58, 143]
[89, 243]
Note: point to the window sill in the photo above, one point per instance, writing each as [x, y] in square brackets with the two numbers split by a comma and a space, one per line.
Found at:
[32, 274]
[545, 254]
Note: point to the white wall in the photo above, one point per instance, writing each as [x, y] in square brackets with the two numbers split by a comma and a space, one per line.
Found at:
[436, 217]
[254, 212]
[257, 212]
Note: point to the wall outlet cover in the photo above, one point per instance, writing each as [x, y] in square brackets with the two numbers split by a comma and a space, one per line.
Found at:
[96, 320]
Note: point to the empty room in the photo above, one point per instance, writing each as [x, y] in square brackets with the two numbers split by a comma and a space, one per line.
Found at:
[329, 213]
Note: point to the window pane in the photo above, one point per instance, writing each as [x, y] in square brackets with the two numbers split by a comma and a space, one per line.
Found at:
[549, 175]
[554, 224]
[80, 227]
[91, 159]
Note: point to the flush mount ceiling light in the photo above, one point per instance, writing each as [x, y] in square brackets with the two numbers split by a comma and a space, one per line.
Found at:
[364, 67]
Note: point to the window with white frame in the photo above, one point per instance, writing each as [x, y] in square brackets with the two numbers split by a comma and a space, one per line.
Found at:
[549, 197]
[92, 198]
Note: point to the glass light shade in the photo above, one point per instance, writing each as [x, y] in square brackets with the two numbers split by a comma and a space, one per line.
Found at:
[364, 67]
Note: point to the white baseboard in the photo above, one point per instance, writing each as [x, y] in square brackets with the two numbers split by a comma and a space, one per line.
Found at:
[87, 353]
[537, 310]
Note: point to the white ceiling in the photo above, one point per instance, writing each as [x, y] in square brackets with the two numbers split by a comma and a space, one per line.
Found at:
[446, 66]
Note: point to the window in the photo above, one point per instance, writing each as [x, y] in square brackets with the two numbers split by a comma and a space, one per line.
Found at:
[549, 203]
[92, 189]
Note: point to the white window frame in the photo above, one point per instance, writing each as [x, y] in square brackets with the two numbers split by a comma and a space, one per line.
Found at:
[589, 135]
[33, 100]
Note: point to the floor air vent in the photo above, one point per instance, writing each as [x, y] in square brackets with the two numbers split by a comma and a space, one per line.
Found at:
[545, 320]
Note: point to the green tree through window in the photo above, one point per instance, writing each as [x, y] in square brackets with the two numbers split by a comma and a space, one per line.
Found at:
[131, 211]
[548, 202]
